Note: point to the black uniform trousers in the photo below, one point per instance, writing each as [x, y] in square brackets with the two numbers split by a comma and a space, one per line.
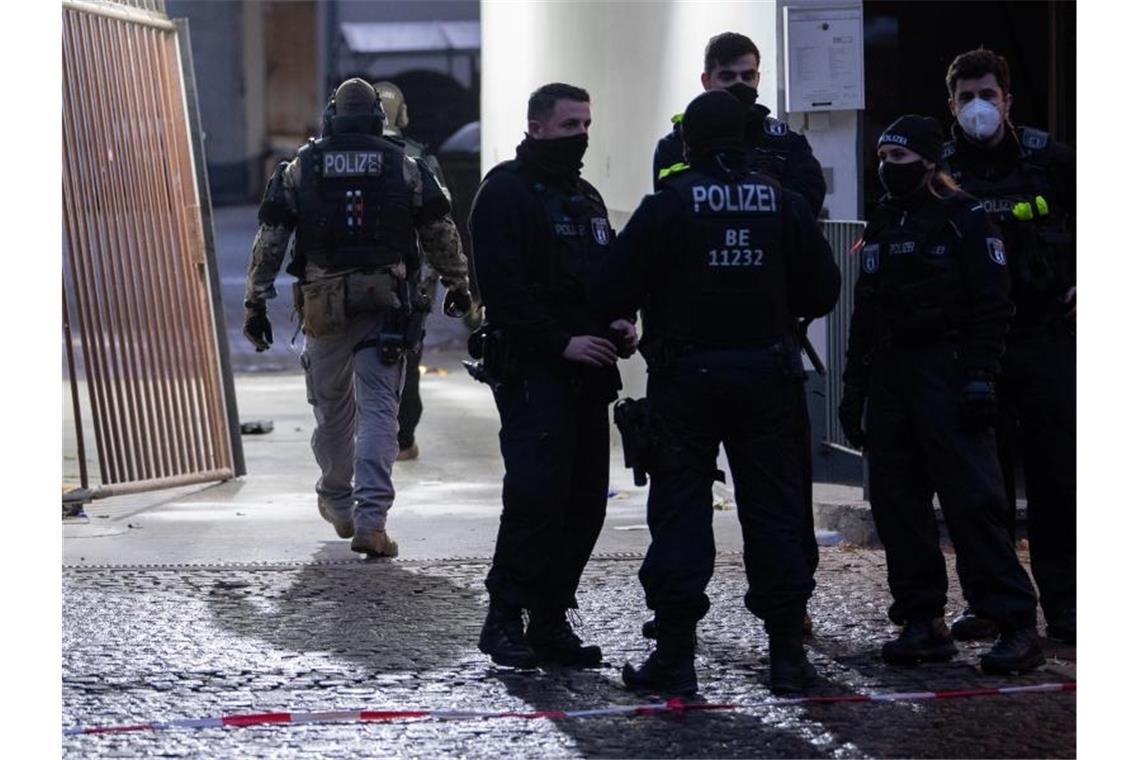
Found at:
[744, 399]
[411, 405]
[1037, 396]
[916, 447]
[811, 546]
[555, 441]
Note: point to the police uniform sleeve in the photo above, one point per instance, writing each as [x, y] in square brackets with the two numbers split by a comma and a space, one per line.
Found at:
[813, 277]
[643, 239]
[500, 249]
[277, 218]
[431, 163]
[668, 153]
[861, 332]
[985, 278]
[804, 174]
[1063, 178]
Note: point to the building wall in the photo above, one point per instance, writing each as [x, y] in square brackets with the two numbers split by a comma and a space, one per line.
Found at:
[216, 39]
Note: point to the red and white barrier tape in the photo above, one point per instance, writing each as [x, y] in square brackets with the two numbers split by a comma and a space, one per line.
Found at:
[675, 706]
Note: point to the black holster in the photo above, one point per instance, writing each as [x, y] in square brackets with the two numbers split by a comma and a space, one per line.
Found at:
[497, 361]
[631, 416]
[403, 328]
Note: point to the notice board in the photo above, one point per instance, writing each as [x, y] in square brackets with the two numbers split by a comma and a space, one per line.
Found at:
[823, 58]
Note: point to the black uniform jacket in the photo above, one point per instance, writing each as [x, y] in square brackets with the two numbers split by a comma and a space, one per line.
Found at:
[1026, 165]
[773, 149]
[931, 270]
[660, 240]
[540, 244]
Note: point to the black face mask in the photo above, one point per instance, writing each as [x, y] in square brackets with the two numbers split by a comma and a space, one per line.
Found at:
[561, 155]
[742, 92]
[900, 180]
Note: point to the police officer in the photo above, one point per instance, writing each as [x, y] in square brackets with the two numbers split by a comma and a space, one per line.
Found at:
[732, 63]
[356, 205]
[723, 260]
[931, 312]
[411, 405]
[1027, 183]
[540, 239]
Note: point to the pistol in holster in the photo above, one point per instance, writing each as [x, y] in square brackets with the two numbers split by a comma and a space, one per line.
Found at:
[403, 329]
[496, 360]
[632, 419]
[788, 349]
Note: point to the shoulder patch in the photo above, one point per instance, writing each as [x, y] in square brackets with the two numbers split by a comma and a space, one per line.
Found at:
[670, 171]
[775, 127]
[1034, 139]
[677, 117]
[949, 148]
[997, 250]
[871, 258]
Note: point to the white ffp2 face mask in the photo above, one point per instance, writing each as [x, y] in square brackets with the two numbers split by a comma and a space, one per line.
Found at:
[980, 118]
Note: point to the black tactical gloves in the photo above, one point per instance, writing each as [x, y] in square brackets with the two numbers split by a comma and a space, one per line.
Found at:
[978, 401]
[851, 414]
[257, 329]
[457, 303]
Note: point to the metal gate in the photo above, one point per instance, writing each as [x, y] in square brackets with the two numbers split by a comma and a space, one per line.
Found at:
[841, 236]
[139, 273]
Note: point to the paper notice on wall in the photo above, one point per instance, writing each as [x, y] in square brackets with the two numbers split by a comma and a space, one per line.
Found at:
[823, 58]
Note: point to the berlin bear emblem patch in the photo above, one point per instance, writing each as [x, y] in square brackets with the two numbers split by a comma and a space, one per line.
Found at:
[871, 258]
[997, 250]
[775, 128]
[601, 227]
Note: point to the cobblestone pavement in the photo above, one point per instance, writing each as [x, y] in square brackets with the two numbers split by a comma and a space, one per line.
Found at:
[159, 643]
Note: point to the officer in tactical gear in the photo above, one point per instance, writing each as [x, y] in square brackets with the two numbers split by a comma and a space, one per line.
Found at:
[411, 405]
[723, 260]
[541, 240]
[732, 63]
[931, 313]
[1027, 182]
[356, 206]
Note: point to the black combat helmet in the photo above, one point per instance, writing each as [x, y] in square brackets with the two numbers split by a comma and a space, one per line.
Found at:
[354, 107]
[714, 121]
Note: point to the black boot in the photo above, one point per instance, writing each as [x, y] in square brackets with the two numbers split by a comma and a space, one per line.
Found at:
[502, 637]
[969, 626]
[553, 640]
[649, 629]
[669, 670]
[1016, 650]
[789, 670]
[921, 641]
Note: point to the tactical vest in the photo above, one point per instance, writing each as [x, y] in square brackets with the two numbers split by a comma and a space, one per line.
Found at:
[911, 267]
[1024, 205]
[355, 209]
[574, 260]
[725, 280]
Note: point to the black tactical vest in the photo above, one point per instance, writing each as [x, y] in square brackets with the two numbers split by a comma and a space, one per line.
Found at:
[910, 263]
[1036, 233]
[355, 209]
[725, 283]
[572, 274]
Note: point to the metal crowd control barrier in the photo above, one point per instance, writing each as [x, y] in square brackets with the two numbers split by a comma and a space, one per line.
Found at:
[140, 282]
[842, 236]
